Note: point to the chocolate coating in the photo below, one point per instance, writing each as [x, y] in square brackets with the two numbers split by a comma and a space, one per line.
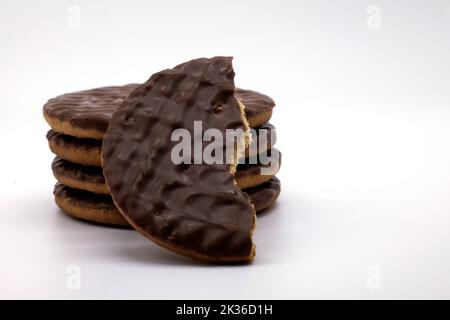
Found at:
[195, 210]
[88, 109]
[92, 109]
[264, 195]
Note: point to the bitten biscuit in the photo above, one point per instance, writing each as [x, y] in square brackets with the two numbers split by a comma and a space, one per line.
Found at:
[194, 210]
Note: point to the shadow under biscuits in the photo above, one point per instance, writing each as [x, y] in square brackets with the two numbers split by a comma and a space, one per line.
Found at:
[145, 254]
[152, 254]
[119, 242]
[267, 211]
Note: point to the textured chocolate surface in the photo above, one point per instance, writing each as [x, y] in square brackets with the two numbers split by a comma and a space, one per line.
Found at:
[88, 109]
[195, 210]
[264, 195]
[92, 109]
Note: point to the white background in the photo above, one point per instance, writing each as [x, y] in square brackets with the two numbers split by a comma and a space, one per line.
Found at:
[363, 120]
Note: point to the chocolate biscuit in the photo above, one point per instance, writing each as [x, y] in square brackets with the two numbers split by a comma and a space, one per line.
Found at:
[70, 148]
[258, 106]
[90, 178]
[264, 195]
[88, 151]
[77, 176]
[100, 208]
[86, 114]
[192, 209]
[88, 206]
[268, 136]
[253, 174]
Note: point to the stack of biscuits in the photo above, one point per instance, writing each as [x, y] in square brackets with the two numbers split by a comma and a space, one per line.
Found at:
[79, 122]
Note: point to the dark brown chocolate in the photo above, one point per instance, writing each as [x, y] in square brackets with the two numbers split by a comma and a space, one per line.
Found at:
[264, 195]
[92, 109]
[88, 109]
[195, 210]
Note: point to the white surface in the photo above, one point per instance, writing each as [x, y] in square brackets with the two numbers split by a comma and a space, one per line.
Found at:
[363, 123]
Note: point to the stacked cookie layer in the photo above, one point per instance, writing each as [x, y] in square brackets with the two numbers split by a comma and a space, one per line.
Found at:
[79, 121]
